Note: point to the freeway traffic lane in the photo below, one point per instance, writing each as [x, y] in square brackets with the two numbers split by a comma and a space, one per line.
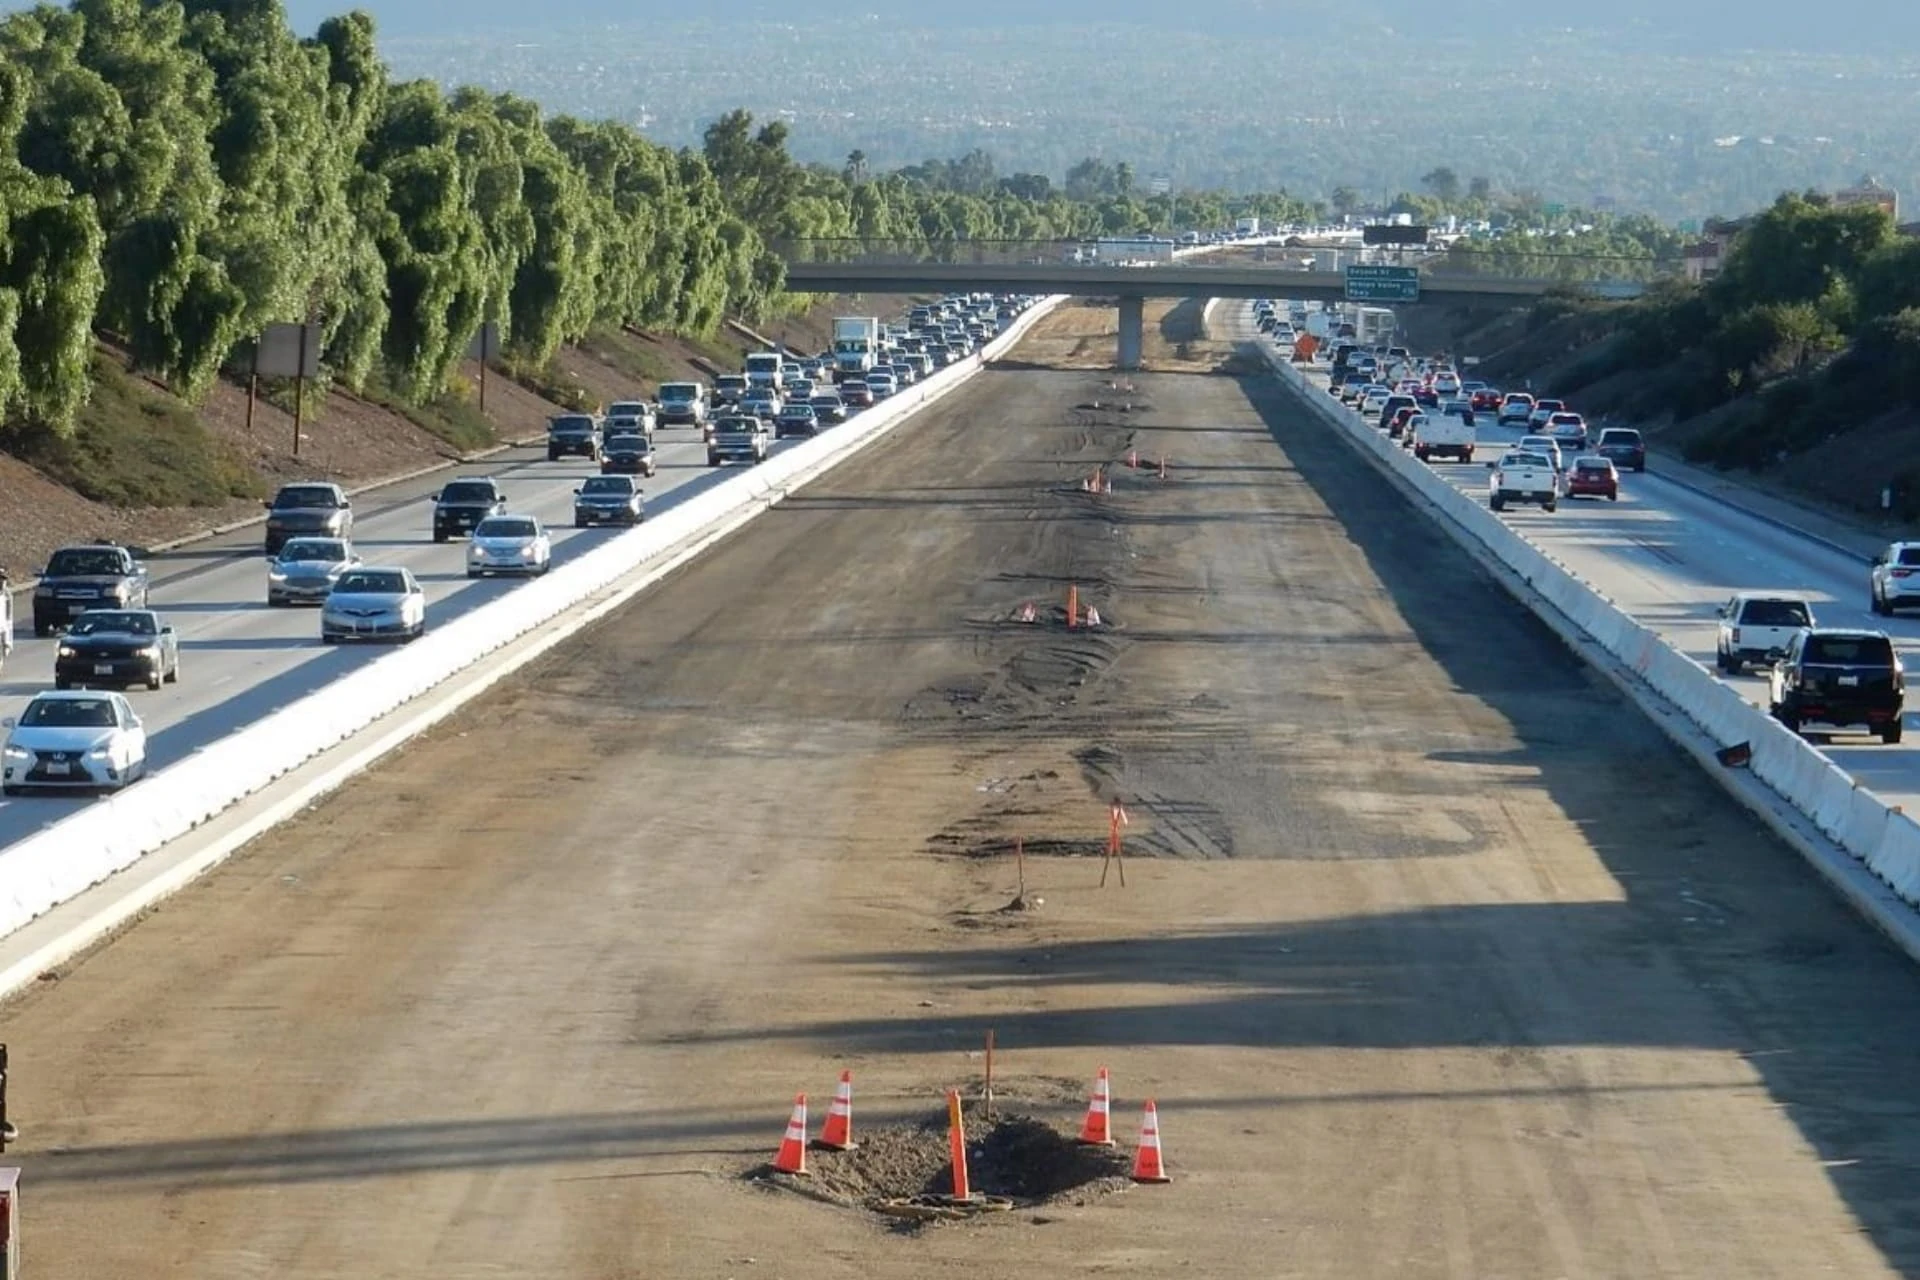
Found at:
[1671, 556]
[241, 660]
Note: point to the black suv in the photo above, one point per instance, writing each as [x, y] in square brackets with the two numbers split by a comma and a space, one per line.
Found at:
[1624, 446]
[1845, 679]
[97, 576]
[573, 435]
[315, 510]
[465, 503]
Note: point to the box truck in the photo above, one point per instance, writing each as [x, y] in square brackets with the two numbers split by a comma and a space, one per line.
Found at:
[856, 342]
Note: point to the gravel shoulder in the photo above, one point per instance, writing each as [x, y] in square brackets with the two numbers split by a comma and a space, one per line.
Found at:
[1438, 959]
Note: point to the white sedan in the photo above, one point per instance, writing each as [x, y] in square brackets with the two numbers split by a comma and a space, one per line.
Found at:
[80, 740]
[509, 544]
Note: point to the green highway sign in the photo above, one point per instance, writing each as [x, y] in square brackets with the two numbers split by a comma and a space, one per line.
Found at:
[1370, 283]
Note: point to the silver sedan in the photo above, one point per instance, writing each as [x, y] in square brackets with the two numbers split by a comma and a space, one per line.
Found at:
[374, 602]
[509, 544]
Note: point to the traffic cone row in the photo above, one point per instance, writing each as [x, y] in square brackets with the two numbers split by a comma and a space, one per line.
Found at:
[1097, 1131]
[837, 1135]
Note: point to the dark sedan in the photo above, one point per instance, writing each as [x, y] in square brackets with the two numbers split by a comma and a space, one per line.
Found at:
[796, 422]
[629, 454]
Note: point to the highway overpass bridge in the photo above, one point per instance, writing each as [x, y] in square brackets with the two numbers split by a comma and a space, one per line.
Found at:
[1044, 267]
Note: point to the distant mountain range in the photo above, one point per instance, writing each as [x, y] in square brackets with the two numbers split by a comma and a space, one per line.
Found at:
[1885, 27]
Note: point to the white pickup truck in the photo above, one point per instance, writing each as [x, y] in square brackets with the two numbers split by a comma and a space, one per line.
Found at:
[1523, 477]
[1442, 437]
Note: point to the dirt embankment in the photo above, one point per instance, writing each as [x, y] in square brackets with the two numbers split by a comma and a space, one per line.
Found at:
[1417, 993]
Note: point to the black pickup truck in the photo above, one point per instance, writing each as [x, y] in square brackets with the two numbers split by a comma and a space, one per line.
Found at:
[1832, 678]
[96, 576]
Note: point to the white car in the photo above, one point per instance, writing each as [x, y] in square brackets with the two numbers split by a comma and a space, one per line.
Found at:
[1517, 406]
[1757, 626]
[1543, 411]
[1446, 384]
[882, 384]
[1442, 437]
[82, 740]
[6, 618]
[374, 602]
[1374, 402]
[509, 544]
[1895, 582]
[1543, 444]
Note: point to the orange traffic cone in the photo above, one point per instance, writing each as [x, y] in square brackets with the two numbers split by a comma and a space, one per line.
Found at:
[1146, 1160]
[792, 1157]
[837, 1134]
[1133, 459]
[1098, 1130]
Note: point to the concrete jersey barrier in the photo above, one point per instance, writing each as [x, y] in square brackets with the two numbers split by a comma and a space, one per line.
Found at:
[1882, 837]
[67, 857]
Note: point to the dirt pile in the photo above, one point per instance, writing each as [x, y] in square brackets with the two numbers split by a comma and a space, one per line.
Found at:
[1015, 1157]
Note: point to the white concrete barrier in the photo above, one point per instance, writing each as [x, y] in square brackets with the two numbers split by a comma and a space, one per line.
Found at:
[1884, 839]
[67, 857]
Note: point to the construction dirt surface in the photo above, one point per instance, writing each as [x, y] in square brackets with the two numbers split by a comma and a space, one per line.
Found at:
[1437, 958]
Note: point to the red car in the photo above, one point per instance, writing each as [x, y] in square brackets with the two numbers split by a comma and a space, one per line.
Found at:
[856, 393]
[1593, 478]
[1486, 401]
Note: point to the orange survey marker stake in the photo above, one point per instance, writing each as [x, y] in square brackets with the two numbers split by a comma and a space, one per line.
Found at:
[1098, 1129]
[1073, 607]
[837, 1134]
[1133, 459]
[1147, 1166]
[792, 1157]
[957, 1146]
[1116, 819]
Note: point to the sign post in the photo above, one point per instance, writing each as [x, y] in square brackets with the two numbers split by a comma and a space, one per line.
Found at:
[1368, 282]
[485, 347]
[289, 351]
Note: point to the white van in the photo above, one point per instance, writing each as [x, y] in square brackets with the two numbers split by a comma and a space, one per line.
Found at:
[763, 370]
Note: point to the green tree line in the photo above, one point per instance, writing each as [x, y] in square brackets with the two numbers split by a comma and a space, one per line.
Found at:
[1812, 323]
[177, 174]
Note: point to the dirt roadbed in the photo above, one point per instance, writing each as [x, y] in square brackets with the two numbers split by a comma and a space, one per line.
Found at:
[1438, 959]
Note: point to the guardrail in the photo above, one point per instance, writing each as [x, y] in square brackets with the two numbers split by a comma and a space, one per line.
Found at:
[1880, 836]
[66, 858]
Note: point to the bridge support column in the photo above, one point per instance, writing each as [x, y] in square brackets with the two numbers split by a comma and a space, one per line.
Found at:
[1132, 322]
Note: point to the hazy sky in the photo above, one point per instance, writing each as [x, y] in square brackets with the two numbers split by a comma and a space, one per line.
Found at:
[1881, 26]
